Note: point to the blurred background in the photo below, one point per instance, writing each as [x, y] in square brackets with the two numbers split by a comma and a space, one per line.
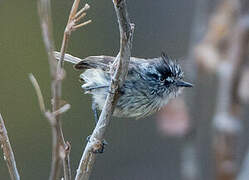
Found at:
[202, 135]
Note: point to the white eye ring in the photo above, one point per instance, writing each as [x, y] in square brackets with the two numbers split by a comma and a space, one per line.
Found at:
[169, 79]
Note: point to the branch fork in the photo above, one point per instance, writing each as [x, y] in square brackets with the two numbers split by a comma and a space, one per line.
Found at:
[60, 148]
[74, 19]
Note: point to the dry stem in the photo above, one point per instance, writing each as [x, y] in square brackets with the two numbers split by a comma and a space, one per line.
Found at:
[121, 67]
[61, 149]
[8, 152]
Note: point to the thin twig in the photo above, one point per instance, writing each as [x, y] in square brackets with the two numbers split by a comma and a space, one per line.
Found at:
[71, 26]
[7, 151]
[60, 148]
[121, 68]
[81, 11]
[38, 92]
[57, 136]
[62, 109]
[80, 17]
[73, 18]
[82, 24]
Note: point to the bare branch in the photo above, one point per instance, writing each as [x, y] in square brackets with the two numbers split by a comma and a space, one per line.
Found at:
[81, 25]
[57, 137]
[38, 92]
[121, 68]
[80, 12]
[80, 17]
[61, 150]
[74, 17]
[62, 110]
[7, 151]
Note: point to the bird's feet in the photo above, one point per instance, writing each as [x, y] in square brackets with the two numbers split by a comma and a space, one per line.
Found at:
[99, 146]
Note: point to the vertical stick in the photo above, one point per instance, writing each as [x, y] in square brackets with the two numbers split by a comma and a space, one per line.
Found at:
[120, 69]
[8, 152]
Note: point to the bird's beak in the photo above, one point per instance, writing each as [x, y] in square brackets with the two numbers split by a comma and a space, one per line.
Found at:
[181, 83]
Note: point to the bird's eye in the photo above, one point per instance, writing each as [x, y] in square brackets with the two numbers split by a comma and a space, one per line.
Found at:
[162, 79]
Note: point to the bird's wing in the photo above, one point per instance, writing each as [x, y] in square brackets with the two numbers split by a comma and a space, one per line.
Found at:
[96, 62]
[91, 62]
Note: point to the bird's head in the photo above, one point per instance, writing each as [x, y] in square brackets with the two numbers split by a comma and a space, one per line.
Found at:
[165, 77]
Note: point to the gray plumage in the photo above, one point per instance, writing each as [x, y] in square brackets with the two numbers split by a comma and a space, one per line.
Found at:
[149, 85]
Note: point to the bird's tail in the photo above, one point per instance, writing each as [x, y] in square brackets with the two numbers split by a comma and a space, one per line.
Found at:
[91, 62]
[68, 58]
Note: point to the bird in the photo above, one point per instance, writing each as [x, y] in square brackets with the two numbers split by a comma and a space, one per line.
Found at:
[149, 85]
